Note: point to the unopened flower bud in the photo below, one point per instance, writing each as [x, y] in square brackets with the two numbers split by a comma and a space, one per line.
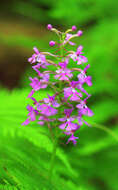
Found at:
[74, 28]
[79, 33]
[49, 26]
[52, 43]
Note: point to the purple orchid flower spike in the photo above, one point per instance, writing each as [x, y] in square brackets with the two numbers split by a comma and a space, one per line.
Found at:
[66, 105]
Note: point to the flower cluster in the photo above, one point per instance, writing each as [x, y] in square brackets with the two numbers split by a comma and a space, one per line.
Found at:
[68, 103]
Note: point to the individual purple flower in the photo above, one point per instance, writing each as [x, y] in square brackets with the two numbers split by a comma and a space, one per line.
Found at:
[81, 59]
[37, 57]
[84, 79]
[78, 85]
[81, 121]
[37, 84]
[64, 64]
[31, 115]
[77, 56]
[41, 58]
[73, 139]
[83, 109]
[67, 39]
[40, 65]
[68, 121]
[51, 101]
[63, 73]
[47, 110]
[44, 79]
[42, 119]
[36, 68]
[72, 94]
[33, 58]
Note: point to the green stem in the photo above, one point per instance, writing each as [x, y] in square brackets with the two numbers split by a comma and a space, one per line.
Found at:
[53, 158]
[61, 51]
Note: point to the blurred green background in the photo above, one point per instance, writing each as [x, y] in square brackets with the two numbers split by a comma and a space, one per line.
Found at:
[26, 151]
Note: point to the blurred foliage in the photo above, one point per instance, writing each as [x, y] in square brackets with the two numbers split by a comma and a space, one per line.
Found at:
[66, 12]
[26, 151]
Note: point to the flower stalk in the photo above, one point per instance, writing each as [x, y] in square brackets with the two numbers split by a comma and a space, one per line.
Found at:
[53, 156]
